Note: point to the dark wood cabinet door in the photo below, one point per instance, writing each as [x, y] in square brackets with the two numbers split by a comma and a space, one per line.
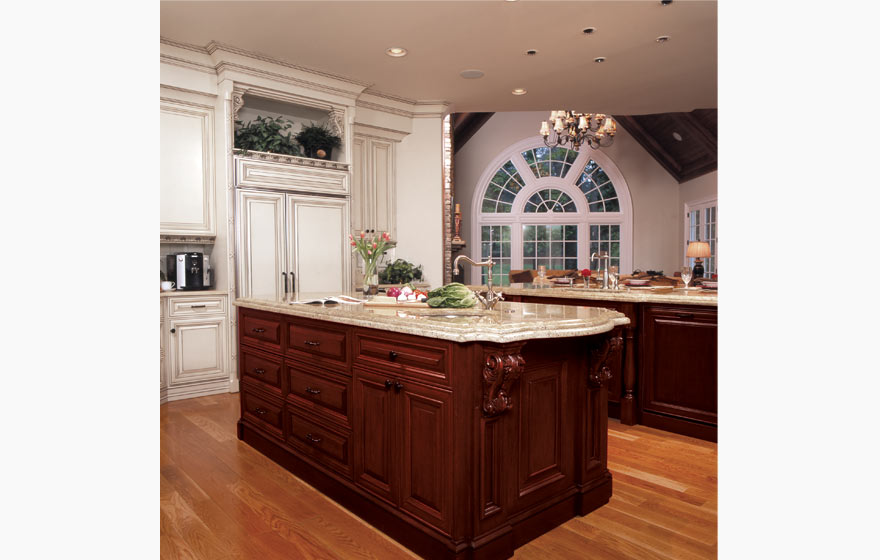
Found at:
[374, 422]
[426, 477]
[680, 363]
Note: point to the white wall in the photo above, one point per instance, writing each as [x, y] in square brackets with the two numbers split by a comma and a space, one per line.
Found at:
[657, 206]
[420, 198]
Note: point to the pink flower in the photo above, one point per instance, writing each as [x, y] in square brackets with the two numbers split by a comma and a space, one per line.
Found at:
[375, 244]
[350, 237]
[353, 244]
[362, 235]
[369, 252]
[385, 236]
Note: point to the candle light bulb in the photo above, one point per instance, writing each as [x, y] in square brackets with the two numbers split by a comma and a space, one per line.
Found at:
[559, 126]
[545, 128]
[582, 123]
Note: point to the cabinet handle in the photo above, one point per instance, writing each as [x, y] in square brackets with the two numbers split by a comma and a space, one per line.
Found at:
[292, 283]
[313, 439]
[398, 386]
[284, 281]
[259, 371]
[311, 343]
[258, 330]
[173, 331]
[196, 306]
[685, 315]
[313, 391]
[392, 355]
[388, 384]
[260, 411]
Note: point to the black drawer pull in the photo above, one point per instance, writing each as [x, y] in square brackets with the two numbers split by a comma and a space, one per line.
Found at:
[261, 411]
[258, 330]
[311, 343]
[388, 384]
[259, 371]
[313, 439]
[398, 386]
[197, 306]
[313, 391]
[685, 315]
[392, 355]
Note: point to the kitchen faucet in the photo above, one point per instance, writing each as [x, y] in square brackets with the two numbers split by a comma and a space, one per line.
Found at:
[491, 297]
[602, 255]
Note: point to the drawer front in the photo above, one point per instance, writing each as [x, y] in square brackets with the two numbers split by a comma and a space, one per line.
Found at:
[261, 368]
[327, 446]
[404, 356]
[256, 173]
[321, 345]
[188, 306]
[261, 330]
[262, 411]
[320, 392]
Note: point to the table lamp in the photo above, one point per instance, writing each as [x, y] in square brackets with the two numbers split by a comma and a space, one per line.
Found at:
[698, 250]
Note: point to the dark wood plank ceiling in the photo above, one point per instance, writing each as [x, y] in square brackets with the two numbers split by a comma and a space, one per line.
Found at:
[685, 144]
[465, 125]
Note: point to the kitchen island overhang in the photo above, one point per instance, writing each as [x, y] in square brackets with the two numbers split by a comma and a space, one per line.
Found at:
[459, 435]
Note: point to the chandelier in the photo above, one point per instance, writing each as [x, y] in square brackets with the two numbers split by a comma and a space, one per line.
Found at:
[578, 128]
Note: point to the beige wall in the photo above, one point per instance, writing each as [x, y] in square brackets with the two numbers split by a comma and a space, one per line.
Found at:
[657, 205]
[695, 190]
[419, 188]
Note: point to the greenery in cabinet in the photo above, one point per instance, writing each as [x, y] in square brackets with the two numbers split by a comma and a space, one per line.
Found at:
[265, 134]
[400, 272]
[317, 140]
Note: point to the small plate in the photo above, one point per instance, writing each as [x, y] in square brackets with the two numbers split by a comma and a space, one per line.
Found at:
[637, 282]
[709, 284]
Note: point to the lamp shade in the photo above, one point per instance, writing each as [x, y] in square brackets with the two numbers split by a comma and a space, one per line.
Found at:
[698, 249]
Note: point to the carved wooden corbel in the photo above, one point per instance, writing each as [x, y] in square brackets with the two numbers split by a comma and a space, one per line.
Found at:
[500, 372]
[337, 117]
[599, 370]
[237, 104]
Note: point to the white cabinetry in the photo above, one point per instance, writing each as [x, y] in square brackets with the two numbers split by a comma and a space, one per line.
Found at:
[295, 239]
[186, 168]
[194, 345]
[373, 201]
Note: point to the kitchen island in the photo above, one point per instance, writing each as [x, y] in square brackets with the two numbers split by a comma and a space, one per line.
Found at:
[666, 376]
[459, 433]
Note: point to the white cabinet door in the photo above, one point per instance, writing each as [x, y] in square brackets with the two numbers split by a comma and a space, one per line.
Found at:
[197, 350]
[318, 244]
[161, 344]
[186, 169]
[373, 200]
[361, 215]
[262, 244]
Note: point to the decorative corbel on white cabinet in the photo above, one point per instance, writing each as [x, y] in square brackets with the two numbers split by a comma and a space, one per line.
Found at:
[186, 168]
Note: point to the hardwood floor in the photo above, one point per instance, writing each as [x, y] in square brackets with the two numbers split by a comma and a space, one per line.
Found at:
[222, 500]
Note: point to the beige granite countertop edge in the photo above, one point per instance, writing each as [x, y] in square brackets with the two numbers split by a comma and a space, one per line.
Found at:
[635, 296]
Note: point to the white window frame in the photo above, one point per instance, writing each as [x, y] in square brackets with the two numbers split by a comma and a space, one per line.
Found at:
[700, 204]
[583, 217]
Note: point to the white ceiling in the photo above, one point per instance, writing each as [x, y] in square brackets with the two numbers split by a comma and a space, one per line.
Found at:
[445, 37]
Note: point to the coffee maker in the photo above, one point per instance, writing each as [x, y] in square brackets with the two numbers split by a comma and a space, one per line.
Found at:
[189, 271]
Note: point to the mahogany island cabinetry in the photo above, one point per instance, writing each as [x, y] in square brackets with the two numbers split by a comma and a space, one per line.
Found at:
[460, 433]
[666, 377]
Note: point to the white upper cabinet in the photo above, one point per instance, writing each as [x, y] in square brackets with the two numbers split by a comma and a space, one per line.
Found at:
[373, 186]
[186, 169]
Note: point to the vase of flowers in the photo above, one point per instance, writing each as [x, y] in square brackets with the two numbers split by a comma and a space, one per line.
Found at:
[370, 248]
[585, 274]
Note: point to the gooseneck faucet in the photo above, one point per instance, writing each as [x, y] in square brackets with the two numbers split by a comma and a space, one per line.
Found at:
[491, 296]
[602, 255]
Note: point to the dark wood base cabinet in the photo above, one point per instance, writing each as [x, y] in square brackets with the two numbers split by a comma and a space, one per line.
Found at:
[666, 377]
[457, 450]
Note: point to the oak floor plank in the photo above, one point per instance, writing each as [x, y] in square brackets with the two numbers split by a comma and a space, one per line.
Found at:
[222, 500]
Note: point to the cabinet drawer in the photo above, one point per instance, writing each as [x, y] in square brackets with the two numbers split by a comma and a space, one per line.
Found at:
[262, 411]
[327, 446]
[395, 354]
[320, 392]
[261, 330]
[323, 345]
[187, 306]
[261, 368]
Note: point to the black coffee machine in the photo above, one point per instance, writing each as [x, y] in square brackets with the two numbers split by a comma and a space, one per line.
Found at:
[188, 271]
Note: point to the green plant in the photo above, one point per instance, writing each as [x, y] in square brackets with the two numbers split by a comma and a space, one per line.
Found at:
[315, 137]
[265, 134]
[400, 272]
[454, 294]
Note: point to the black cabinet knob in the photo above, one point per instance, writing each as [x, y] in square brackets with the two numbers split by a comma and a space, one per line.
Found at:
[388, 383]
[259, 371]
[173, 331]
[392, 355]
[398, 386]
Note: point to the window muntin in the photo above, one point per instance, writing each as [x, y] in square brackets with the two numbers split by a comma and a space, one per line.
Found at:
[605, 237]
[598, 189]
[554, 245]
[495, 242]
[549, 162]
[502, 189]
[550, 200]
[701, 223]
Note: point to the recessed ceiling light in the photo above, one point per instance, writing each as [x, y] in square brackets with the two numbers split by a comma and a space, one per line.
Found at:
[396, 52]
[599, 59]
[677, 136]
[589, 30]
[662, 38]
[532, 52]
[471, 74]
[518, 91]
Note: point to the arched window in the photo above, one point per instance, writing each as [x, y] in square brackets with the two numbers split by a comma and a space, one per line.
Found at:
[536, 205]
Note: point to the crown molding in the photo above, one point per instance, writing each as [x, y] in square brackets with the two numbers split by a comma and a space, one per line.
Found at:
[211, 96]
[382, 132]
[185, 46]
[226, 66]
[184, 63]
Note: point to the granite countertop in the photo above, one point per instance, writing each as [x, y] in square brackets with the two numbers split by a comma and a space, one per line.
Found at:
[636, 295]
[172, 293]
[508, 322]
